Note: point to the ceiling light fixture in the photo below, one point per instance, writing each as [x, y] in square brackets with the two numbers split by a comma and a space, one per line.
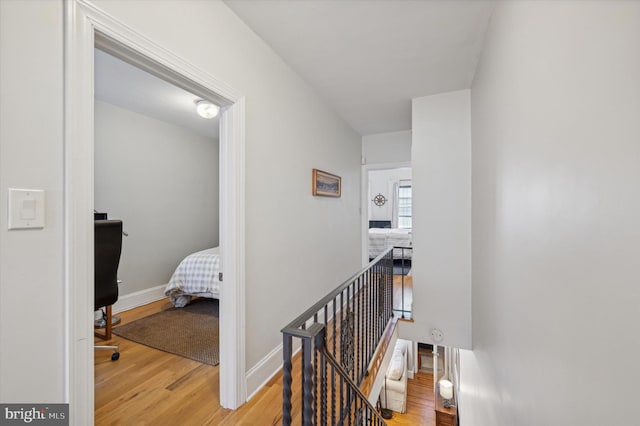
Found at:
[206, 109]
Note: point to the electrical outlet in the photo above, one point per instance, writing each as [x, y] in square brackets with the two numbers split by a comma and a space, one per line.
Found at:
[437, 335]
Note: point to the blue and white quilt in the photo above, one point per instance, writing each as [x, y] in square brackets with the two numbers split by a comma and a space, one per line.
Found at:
[196, 275]
[382, 238]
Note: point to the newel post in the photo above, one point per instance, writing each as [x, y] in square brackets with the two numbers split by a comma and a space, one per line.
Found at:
[309, 373]
[312, 337]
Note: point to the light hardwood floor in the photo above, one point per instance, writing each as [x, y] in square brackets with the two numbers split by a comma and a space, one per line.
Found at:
[420, 403]
[398, 284]
[150, 387]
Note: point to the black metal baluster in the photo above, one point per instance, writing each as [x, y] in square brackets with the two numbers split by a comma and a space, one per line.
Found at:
[321, 340]
[333, 371]
[316, 386]
[361, 320]
[286, 380]
[354, 370]
[403, 316]
[356, 331]
[342, 315]
[363, 305]
[369, 328]
[388, 287]
[348, 406]
[383, 288]
[391, 289]
[376, 295]
[307, 382]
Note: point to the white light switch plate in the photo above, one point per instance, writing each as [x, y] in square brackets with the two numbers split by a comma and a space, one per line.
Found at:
[26, 208]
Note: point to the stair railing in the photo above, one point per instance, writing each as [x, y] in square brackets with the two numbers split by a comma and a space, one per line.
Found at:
[339, 335]
[401, 256]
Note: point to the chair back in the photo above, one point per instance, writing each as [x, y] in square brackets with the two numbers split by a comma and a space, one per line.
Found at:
[107, 249]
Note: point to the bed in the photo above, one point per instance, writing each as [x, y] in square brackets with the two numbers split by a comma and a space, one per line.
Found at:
[196, 275]
[381, 238]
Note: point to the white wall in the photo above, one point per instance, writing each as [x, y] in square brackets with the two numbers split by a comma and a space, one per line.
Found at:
[393, 147]
[556, 217]
[441, 266]
[382, 182]
[32, 358]
[162, 181]
[290, 235]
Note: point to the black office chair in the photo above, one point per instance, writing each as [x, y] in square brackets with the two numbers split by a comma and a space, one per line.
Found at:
[107, 249]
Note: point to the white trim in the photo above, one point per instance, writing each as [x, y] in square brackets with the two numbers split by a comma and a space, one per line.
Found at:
[78, 203]
[232, 291]
[387, 166]
[384, 365]
[260, 374]
[264, 370]
[83, 21]
[139, 298]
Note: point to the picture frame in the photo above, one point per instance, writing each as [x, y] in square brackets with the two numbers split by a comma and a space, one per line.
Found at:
[326, 184]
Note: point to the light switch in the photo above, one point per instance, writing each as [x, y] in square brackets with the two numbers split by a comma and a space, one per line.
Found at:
[26, 208]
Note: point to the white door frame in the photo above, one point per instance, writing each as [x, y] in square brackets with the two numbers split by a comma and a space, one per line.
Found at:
[365, 200]
[86, 25]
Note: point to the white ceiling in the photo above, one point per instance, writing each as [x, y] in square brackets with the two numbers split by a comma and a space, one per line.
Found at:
[126, 86]
[366, 58]
[369, 58]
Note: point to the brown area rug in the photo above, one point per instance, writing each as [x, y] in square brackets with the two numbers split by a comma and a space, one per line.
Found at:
[191, 332]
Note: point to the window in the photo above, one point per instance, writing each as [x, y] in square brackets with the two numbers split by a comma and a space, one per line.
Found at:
[404, 204]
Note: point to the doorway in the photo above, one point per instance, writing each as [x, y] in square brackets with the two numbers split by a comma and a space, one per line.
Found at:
[87, 27]
[156, 163]
[385, 188]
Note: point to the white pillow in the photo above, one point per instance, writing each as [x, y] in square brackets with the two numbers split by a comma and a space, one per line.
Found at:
[396, 366]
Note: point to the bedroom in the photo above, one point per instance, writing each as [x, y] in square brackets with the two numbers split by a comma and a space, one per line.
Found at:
[389, 215]
[169, 206]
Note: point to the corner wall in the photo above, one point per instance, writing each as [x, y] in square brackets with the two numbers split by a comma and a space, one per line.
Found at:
[441, 185]
[556, 217]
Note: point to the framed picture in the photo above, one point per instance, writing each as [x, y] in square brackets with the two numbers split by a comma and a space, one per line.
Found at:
[326, 184]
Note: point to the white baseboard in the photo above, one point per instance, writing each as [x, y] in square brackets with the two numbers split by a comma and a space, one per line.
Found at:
[260, 374]
[139, 298]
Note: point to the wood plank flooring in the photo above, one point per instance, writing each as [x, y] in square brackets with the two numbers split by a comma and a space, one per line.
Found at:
[150, 387]
[420, 403]
[408, 295]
